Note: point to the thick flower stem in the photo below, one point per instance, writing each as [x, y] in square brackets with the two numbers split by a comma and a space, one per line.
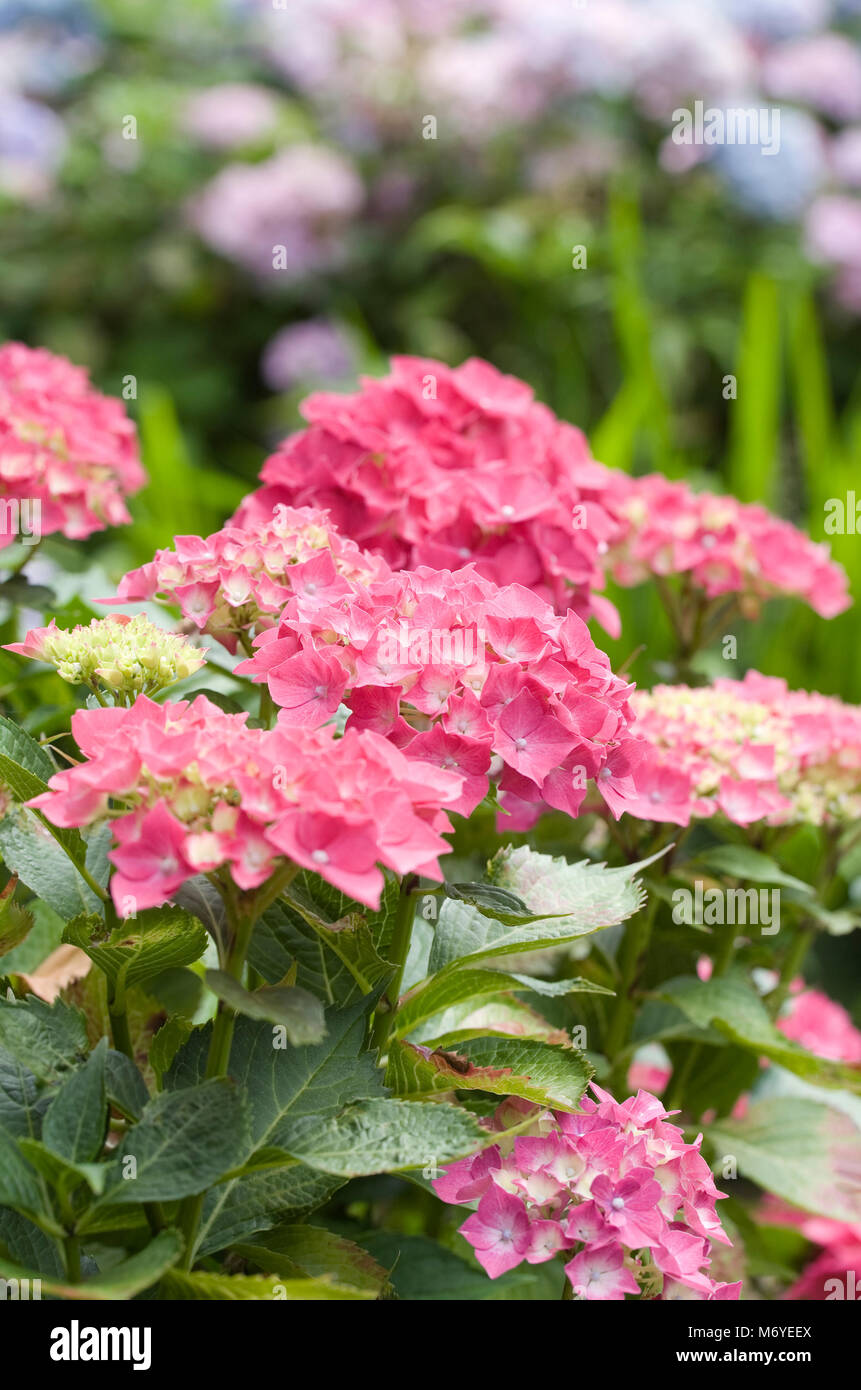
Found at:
[634, 944]
[398, 951]
[72, 1259]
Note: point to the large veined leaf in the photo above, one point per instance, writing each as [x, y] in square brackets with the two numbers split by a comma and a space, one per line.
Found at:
[229, 1287]
[590, 895]
[123, 1281]
[74, 1126]
[19, 1184]
[25, 767]
[386, 1136]
[284, 1087]
[241, 1207]
[505, 1015]
[312, 1251]
[541, 1072]
[32, 852]
[806, 1153]
[731, 1007]
[46, 1038]
[15, 921]
[422, 1269]
[22, 1103]
[185, 1141]
[161, 938]
[337, 944]
[299, 1013]
[442, 992]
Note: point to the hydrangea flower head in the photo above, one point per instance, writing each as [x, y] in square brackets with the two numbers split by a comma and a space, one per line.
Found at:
[723, 546]
[750, 750]
[614, 1186]
[439, 466]
[63, 445]
[126, 656]
[189, 789]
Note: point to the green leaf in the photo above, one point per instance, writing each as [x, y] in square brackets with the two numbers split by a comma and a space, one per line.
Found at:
[22, 1103]
[421, 1269]
[19, 1185]
[76, 1121]
[337, 944]
[137, 950]
[739, 861]
[123, 1281]
[32, 852]
[184, 1142]
[590, 897]
[541, 1072]
[312, 1251]
[25, 767]
[231, 1287]
[62, 1174]
[442, 992]
[166, 1043]
[15, 921]
[285, 1087]
[298, 1012]
[799, 1150]
[125, 1087]
[243, 1206]
[734, 1009]
[46, 1038]
[386, 1136]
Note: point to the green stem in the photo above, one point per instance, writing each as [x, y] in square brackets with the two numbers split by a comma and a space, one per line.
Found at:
[398, 951]
[681, 1075]
[634, 945]
[725, 952]
[792, 963]
[120, 1030]
[72, 1259]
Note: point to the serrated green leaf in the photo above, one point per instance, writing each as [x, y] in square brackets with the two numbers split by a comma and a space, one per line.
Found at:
[125, 1087]
[299, 1013]
[25, 766]
[61, 1173]
[36, 855]
[48, 1039]
[19, 1185]
[541, 1072]
[183, 1143]
[312, 1251]
[386, 1136]
[442, 992]
[141, 948]
[243, 1206]
[22, 1102]
[15, 921]
[799, 1150]
[76, 1121]
[230, 1287]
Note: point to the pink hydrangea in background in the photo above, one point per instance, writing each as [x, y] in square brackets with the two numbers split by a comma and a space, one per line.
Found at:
[439, 466]
[230, 114]
[613, 1186]
[63, 444]
[189, 789]
[724, 546]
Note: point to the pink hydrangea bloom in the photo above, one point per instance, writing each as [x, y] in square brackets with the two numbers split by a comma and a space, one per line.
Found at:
[235, 582]
[836, 1271]
[439, 466]
[821, 1025]
[749, 750]
[457, 671]
[615, 1186]
[63, 445]
[199, 791]
[723, 546]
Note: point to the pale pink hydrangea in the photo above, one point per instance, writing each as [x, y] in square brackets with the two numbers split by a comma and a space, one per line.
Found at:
[613, 1186]
[820, 1025]
[749, 750]
[439, 466]
[230, 114]
[722, 547]
[235, 582]
[190, 789]
[62, 444]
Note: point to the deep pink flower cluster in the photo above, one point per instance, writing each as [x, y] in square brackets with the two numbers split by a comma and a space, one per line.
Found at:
[456, 671]
[613, 1185]
[820, 1025]
[232, 583]
[438, 466]
[724, 546]
[189, 789]
[749, 750]
[63, 445]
